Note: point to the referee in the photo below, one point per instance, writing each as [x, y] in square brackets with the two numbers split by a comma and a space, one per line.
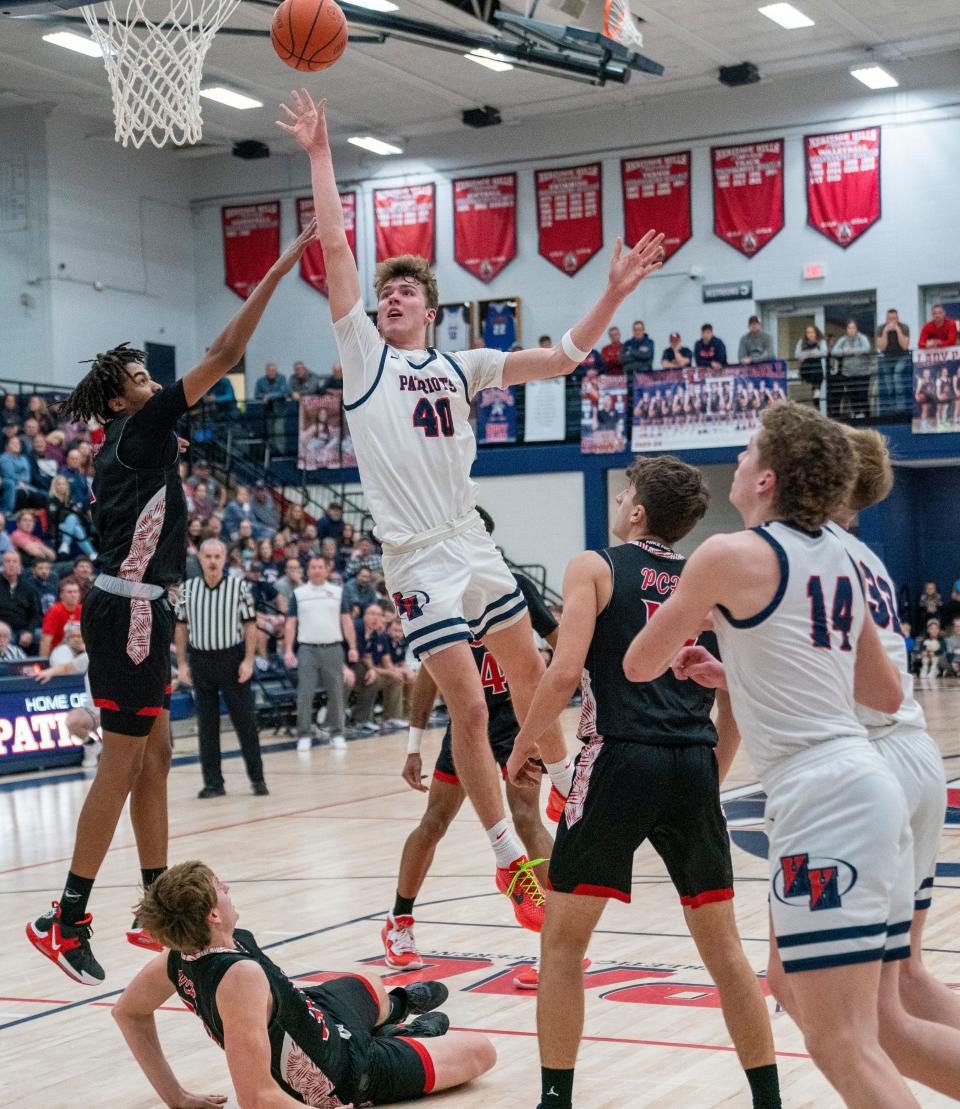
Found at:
[217, 616]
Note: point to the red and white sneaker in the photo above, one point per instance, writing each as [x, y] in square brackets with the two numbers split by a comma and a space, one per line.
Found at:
[520, 884]
[528, 975]
[140, 937]
[399, 946]
[555, 804]
[66, 945]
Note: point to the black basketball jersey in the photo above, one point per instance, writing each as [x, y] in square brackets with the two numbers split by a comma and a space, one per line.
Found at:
[139, 509]
[502, 721]
[662, 712]
[301, 1037]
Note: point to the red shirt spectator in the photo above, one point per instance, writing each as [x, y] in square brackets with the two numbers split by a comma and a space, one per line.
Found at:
[611, 352]
[65, 611]
[940, 331]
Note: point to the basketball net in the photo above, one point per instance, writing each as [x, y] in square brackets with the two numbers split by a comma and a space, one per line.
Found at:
[619, 24]
[155, 67]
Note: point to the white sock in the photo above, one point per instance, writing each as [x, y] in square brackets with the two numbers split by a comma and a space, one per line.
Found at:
[561, 774]
[504, 842]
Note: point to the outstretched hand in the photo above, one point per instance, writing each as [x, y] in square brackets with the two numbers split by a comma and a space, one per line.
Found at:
[294, 252]
[628, 269]
[306, 121]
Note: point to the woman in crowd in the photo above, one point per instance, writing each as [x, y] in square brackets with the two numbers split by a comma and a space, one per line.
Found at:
[27, 541]
[266, 556]
[10, 413]
[347, 541]
[811, 353]
[67, 521]
[37, 408]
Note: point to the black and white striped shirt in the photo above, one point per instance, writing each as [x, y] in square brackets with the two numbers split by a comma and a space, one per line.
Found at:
[215, 617]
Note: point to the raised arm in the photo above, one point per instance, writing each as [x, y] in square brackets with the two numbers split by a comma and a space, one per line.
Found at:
[227, 349]
[307, 122]
[134, 1015]
[627, 270]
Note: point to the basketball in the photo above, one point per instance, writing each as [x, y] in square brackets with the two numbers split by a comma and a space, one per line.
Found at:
[309, 34]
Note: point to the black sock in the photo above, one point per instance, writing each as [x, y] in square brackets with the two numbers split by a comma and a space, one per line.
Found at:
[403, 906]
[76, 893]
[399, 1006]
[149, 875]
[557, 1088]
[765, 1086]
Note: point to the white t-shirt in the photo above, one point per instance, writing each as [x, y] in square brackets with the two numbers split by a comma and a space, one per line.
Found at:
[62, 653]
[409, 413]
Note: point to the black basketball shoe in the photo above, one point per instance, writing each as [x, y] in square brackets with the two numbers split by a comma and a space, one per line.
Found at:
[66, 945]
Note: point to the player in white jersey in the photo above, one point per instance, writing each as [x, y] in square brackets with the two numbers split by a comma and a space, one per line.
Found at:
[409, 409]
[789, 613]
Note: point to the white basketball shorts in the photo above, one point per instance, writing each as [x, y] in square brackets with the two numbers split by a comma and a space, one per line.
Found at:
[915, 761]
[458, 589]
[841, 858]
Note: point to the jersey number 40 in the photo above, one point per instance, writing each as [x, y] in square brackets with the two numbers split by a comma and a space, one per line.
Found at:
[435, 419]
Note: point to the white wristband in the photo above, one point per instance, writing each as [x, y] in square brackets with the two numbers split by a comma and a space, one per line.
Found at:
[572, 352]
[414, 740]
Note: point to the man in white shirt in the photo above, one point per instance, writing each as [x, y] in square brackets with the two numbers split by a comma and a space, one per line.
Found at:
[317, 619]
[409, 418]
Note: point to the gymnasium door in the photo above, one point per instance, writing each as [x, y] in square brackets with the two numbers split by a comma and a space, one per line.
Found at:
[162, 362]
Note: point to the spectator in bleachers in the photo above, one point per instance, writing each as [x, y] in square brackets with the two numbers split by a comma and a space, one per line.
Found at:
[292, 578]
[308, 546]
[19, 606]
[5, 544]
[236, 510]
[10, 413]
[202, 505]
[333, 381]
[851, 352]
[611, 353]
[359, 592]
[66, 652]
[893, 381]
[26, 540]
[294, 518]
[37, 408]
[811, 353]
[638, 351]
[952, 609]
[221, 402]
[371, 681]
[67, 522]
[929, 604]
[330, 553]
[82, 574]
[398, 651]
[9, 651]
[940, 331]
[45, 583]
[676, 356]
[303, 383]
[194, 534]
[347, 538]
[46, 465]
[264, 509]
[756, 345]
[270, 608]
[709, 351]
[73, 471]
[330, 525]
[55, 446]
[202, 475]
[18, 490]
[952, 642]
[272, 386]
[266, 556]
[364, 557]
[933, 652]
[66, 611]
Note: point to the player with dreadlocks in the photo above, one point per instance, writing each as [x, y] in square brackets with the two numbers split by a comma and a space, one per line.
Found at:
[141, 517]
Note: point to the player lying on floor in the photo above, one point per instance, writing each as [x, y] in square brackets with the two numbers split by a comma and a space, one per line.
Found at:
[336, 1044]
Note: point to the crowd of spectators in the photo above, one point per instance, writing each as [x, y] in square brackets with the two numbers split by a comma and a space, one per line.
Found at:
[935, 651]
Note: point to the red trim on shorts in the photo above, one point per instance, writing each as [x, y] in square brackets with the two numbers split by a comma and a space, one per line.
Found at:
[443, 776]
[104, 703]
[149, 712]
[429, 1074]
[708, 897]
[583, 889]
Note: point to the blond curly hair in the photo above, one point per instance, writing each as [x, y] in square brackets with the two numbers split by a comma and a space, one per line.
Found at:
[874, 468]
[813, 459]
[408, 265]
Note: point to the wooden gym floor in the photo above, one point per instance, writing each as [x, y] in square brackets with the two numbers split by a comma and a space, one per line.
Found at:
[312, 869]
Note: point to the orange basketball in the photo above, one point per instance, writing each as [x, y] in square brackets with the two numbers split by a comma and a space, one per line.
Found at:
[309, 34]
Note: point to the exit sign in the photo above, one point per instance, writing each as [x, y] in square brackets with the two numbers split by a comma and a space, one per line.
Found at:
[814, 271]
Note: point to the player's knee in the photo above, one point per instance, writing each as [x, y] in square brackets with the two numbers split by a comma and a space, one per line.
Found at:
[831, 1047]
[476, 1053]
[157, 760]
[471, 717]
[434, 824]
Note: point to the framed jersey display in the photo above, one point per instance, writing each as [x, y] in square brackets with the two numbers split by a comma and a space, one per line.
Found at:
[498, 322]
[453, 327]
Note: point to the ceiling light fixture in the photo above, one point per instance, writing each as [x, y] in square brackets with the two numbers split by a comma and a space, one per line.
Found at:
[375, 146]
[788, 17]
[497, 62]
[230, 98]
[80, 43]
[874, 77]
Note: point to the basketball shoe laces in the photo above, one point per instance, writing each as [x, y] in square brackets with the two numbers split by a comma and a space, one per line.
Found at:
[527, 881]
[401, 938]
[83, 927]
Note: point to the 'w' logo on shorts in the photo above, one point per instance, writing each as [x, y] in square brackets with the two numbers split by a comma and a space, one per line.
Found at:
[822, 882]
[411, 606]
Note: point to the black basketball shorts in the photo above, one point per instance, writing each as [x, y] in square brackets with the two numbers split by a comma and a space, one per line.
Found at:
[501, 744]
[624, 793]
[129, 695]
[389, 1068]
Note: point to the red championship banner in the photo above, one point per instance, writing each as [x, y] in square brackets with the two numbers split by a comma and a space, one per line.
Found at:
[251, 244]
[843, 183]
[403, 219]
[569, 215]
[312, 268]
[656, 194]
[748, 194]
[485, 223]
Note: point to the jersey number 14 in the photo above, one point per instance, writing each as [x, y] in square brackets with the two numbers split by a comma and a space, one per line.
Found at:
[841, 616]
